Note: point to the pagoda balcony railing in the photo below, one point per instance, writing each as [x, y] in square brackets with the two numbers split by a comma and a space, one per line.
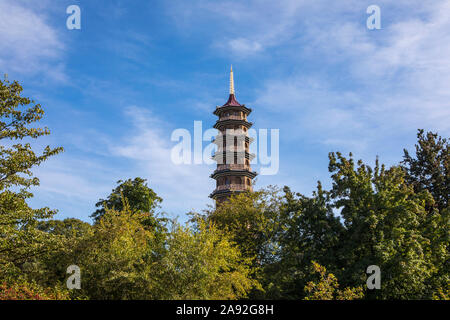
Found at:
[221, 167]
[231, 149]
[231, 117]
[232, 187]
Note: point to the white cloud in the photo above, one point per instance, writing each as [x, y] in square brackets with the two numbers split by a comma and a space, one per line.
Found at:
[28, 43]
[245, 46]
[405, 73]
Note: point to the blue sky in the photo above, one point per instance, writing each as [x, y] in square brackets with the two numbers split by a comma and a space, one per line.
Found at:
[115, 90]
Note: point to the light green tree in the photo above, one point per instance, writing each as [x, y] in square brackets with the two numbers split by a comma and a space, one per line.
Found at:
[327, 287]
[20, 240]
[203, 265]
[120, 258]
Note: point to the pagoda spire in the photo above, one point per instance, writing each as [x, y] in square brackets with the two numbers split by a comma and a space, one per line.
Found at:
[232, 98]
[231, 81]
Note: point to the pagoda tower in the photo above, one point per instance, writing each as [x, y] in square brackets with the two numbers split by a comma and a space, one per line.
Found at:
[233, 173]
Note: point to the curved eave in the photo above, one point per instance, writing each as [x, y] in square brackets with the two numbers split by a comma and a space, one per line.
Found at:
[221, 123]
[220, 109]
[228, 172]
[225, 192]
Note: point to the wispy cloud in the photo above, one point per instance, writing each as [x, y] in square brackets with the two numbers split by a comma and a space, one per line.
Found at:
[94, 162]
[28, 43]
[184, 187]
[385, 82]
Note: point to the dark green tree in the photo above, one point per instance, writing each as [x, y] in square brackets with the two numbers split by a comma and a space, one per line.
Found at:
[387, 224]
[308, 231]
[69, 227]
[430, 168]
[139, 196]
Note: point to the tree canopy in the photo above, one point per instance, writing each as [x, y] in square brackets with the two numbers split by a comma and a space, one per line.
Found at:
[139, 196]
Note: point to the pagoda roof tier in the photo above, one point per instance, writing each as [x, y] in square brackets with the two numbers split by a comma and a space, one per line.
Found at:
[232, 102]
[228, 190]
[229, 172]
[225, 107]
[221, 123]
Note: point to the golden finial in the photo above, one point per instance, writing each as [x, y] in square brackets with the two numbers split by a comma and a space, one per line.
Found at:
[231, 81]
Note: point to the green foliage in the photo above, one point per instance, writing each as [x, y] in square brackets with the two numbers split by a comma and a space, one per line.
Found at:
[327, 287]
[16, 117]
[50, 268]
[139, 196]
[382, 221]
[442, 293]
[387, 224]
[70, 227]
[203, 265]
[115, 258]
[430, 169]
[251, 219]
[20, 240]
[122, 259]
[308, 231]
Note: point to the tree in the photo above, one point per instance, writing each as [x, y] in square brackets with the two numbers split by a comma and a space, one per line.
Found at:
[327, 287]
[205, 264]
[387, 225]
[430, 168]
[308, 231]
[251, 219]
[121, 259]
[49, 269]
[20, 239]
[115, 258]
[139, 196]
[69, 227]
